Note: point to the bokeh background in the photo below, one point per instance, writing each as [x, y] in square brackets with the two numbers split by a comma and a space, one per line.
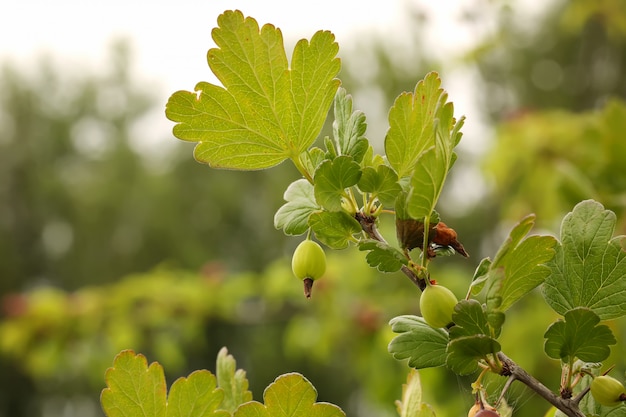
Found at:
[112, 237]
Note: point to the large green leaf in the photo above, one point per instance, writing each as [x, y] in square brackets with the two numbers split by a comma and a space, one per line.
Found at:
[266, 111]
[589, 269]
[290, 395]
[422, 344]
[579, 336]
[411, 121]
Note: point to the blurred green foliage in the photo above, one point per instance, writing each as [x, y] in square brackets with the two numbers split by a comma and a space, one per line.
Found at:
[86, 197]
[66, 339]
[572, 57]
[110, 239]
[546, 162]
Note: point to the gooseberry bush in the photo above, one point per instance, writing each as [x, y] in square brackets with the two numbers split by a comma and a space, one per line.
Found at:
[268, 110]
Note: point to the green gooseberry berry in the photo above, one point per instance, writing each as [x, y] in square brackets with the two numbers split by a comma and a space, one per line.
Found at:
[308, 263]
[437, 305]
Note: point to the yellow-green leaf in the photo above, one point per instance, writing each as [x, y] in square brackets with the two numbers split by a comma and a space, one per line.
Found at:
[266, 111]
[290, 395]
[133, 388]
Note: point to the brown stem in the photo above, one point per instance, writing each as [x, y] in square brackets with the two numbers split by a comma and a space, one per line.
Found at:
[368, 224]
[567, 406]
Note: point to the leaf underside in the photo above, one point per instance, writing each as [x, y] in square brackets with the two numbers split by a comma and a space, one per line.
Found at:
[266, 111]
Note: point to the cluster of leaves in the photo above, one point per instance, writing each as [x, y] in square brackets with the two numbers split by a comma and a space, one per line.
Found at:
[546, 162]
[581, 277]
[267, 112]
[134, 389]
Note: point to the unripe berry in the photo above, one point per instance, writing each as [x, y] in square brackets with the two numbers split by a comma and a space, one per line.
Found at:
[607, 390]
[308, 263]
[437, 305]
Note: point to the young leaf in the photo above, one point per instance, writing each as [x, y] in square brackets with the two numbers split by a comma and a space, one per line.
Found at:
[349, 128]
[382, 183]
[334, 229]
[266, 112]
[423, 345]
[464, 352]
[312, 158]
[290, 395]
[293, 216]
[469, 319]
[411, 121]
[470, 337]
[411, 404]
[331, 180]
[431, 169]
[133, 388]
[195, 396]
[382, 256]
[518, 268]
[232, 380]
[590, 265]
[579, 336]
[480, 276]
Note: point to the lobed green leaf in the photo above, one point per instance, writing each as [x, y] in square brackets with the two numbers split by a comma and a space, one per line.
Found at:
[334, 229]
[332, 178]
[579, 336]
[290, 395]
[469, 319]
[589, 268]
[464, 352]
[133, 388]
[266, 112]
[382, 256]
[382, 183]
[195, 396]
[411, 124]
[423, 345]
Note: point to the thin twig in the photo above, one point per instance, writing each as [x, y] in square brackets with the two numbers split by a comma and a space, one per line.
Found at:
[567, 406]
[368, 224]
[505, 388]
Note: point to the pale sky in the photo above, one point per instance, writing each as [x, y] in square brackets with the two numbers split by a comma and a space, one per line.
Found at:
[170, 40]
